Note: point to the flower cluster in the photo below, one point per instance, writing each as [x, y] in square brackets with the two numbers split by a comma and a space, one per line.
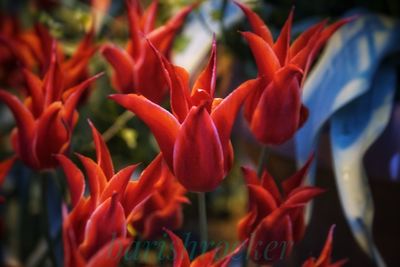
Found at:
[47, 116]
[193, 135]
[88, 231]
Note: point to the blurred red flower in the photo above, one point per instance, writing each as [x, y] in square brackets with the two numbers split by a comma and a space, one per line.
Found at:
[275, 220]
[195, 138]
[95, 230]
[29, 48]
[136, 69]
[46, 117]
[275, 111]
[162, 209]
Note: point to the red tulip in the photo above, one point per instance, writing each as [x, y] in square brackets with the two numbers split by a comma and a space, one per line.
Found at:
[275, 220]
[136, 69]
[195, 138]
[30, 49]
[162, 209]
[46, 117]
[324, 259]
[182, 259]
[95, 230]
[275, 111]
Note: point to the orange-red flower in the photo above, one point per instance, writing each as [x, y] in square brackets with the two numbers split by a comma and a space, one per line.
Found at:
[95, 230]
[195, 138]
[136, 69]
[162, 209]
[275, 111]
[208, 259]
[275, 220]
[324, 259]
[46, 117]
[30, 48]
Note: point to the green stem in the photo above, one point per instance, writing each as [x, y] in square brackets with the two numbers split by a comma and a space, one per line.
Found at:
[45, 215]
[202, 217]
[262, 160]
[244, 260]
[119, 123]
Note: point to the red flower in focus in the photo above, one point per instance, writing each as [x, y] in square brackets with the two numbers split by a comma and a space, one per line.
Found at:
[195, 138]
[275, 111]
[30, 49]
[275, 220]
[46, 117]
[95, 230]
[182, 259]
[324, 259]
[136, 69]
[162, 209]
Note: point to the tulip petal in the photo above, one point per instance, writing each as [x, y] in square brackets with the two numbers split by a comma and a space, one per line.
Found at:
[95, 175]
[162, 124]
[118, 182]
[181, 257]
[296, 179]
[34, 86]
[302, 195]
[53, 80]
[276, 227]
[84, 50]
[205, 259]
[102, 153]
[262, 199]
[72, 257]
[123, 65]
[137, 191]
[111, 253]
[100, 230]
[169, 216]
[134, 47]
[149, 17]
[269, 184]
[198, 155]
[75, 68]
[178, 80]
[25, 123]
[330, 30]
[257, 24]
[52, 136]
[303, 58]
[208, 76]
[325, 256]
[246, 224]
[304, 38]
[265, 57]
[281, 47]
[75, 179]
[250, 176]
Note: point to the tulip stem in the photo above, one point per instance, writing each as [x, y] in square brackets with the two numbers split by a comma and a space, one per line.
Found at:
[119, 123]
[202, 217]
[45, 216]
[262, 161]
